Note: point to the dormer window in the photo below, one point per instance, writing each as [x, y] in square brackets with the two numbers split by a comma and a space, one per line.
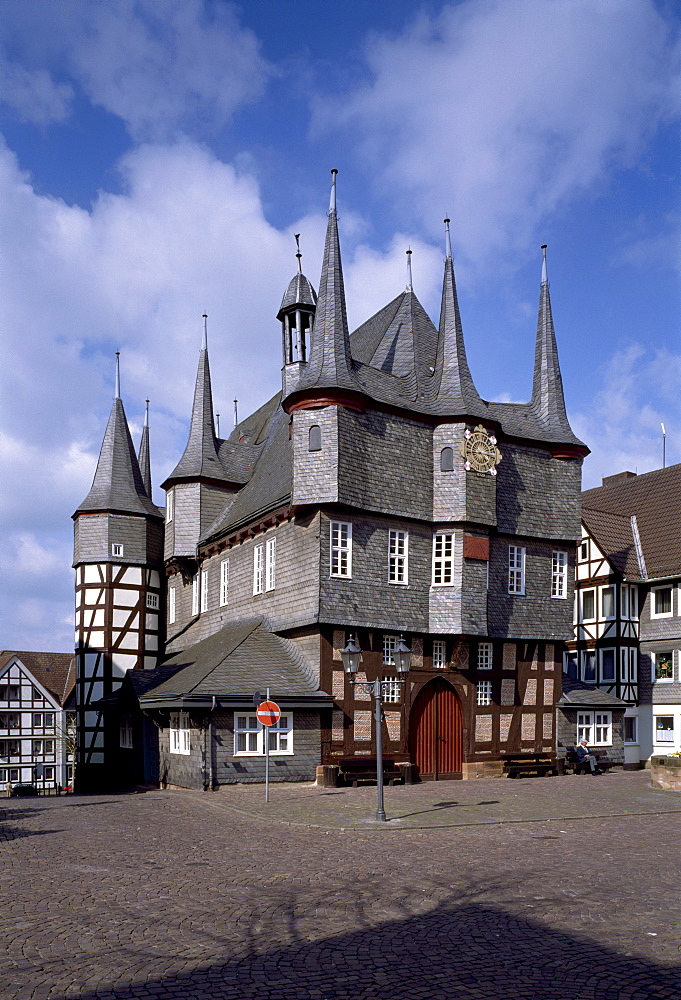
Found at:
[116, 549]
[447, 460]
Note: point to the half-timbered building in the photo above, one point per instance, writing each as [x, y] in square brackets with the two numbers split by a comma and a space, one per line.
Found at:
[627, 637]
[36, 700]
[377, 496]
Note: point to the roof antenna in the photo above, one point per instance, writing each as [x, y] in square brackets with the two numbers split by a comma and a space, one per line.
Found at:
[409, 284]
[117, 389]
[664, 444]
[236, 414]
[332, 200]
[217, 423]
[204, 338]
[544, 279]
[448, 240]
[298, 253]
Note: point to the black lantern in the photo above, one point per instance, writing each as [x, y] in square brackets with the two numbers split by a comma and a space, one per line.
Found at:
[402, 657]
[351, 656]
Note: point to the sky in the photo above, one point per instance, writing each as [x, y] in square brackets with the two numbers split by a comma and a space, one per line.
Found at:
[158, 156]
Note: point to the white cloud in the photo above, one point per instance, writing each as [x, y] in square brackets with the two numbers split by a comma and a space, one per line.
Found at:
[160, 66]
[622, 427]
[500, 112]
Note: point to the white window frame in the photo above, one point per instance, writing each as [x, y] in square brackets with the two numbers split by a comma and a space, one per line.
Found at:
[389, 646]
[392, 690]
[653, 600]
[180, 740]
[666, 740]
[340, 540]
[204, 590]
[125, 732]
[633, 603]
[595, 728]
[584, 550]
[48, 772]
[624, 600]
[196, 593]
[443, 559]
[653, 667]
[152, 601]
[483, 693]
[589, 656]
[633, 721]
[516, 570]
[170, 506]
[585, 723]
[224, 583]
[172, 605]
[571, 657]
[559, 577]
[485, 654]
[117, 549]
[633, 665]
[603, 591]
[439, 654]
[604, 679]
[246, 724]
[582, 595]
[270, 563]
[259, 568]
[398, 557]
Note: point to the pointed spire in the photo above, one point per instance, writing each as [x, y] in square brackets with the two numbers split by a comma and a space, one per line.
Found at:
[143, 456]
[410, 286]
[456, 391]
[117, 383]
[547, 386]
[201, 458]
[118, 485]
[330, 363]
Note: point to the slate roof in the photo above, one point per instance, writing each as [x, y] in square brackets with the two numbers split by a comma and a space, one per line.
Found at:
[299, 293]
[456, 392]
[233, 663]
[118, 485]
[580, 695]
[655, 499]
[144, 457]
[55, 671]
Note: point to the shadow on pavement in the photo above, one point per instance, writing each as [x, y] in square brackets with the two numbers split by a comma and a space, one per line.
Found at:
[472, 951]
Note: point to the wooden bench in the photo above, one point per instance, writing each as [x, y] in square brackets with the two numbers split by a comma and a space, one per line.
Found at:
[538, 764]
[353, 770]
[572, 761]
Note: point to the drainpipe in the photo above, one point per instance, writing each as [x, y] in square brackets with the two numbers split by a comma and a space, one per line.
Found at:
[211, 775]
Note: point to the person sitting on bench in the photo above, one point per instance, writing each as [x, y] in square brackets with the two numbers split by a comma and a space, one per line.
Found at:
[584, 757]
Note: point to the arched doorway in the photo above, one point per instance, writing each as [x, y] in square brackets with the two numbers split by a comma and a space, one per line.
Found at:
[436, 732]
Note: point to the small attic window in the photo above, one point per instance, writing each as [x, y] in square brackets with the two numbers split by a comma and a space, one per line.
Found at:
[447, 460]
[116, 549]
[315, 438]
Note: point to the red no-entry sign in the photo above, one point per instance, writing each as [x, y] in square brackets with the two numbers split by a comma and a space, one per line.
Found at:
[268, 713]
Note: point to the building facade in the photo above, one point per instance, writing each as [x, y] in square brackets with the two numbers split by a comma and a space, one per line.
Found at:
[376, 496]
[36, 710]
[627, 638]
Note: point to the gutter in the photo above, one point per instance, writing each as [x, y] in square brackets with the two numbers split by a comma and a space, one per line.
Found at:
[241, 701]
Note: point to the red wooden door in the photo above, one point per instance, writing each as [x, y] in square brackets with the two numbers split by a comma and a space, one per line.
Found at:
[436, 732]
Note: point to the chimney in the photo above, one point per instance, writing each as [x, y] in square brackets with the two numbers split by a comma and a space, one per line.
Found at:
[618, 477]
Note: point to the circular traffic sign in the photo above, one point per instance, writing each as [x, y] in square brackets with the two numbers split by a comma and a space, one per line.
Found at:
[268, 713]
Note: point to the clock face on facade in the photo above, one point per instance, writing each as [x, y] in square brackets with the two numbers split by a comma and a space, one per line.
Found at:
[479, 451]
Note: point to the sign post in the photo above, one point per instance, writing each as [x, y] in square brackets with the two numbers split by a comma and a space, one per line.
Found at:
[268, 714]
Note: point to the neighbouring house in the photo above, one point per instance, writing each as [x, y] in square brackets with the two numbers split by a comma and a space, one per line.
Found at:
[627, 641]
[376, 496]
[36, 718]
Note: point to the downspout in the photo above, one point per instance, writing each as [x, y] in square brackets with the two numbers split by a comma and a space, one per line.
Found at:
[211, 774]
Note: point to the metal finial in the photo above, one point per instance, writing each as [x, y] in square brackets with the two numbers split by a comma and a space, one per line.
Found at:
[117, 389]
[217, 424]
[236, 414]
[332, 200]
[409, 284]
[298, 253]
[544, 279]
[146, 413]
[448, 240]
[204, 338]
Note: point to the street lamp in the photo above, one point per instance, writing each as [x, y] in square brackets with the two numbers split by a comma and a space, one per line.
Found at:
[351, 657]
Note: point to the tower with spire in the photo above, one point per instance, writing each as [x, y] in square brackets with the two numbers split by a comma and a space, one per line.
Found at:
[118, 559]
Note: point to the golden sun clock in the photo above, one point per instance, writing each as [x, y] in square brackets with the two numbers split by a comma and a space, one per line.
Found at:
[479, 451]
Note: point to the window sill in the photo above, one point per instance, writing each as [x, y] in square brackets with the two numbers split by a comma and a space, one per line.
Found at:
[261, 756]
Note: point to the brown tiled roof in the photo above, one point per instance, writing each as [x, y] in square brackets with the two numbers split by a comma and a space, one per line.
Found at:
[655, 499]
[55, 671]
[614, 537]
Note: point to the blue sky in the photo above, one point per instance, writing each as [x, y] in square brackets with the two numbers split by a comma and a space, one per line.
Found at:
[157, 158]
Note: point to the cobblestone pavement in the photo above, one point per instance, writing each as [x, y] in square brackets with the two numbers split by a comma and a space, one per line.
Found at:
[180, 894]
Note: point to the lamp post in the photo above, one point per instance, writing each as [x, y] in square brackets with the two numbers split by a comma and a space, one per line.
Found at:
[351, 657]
